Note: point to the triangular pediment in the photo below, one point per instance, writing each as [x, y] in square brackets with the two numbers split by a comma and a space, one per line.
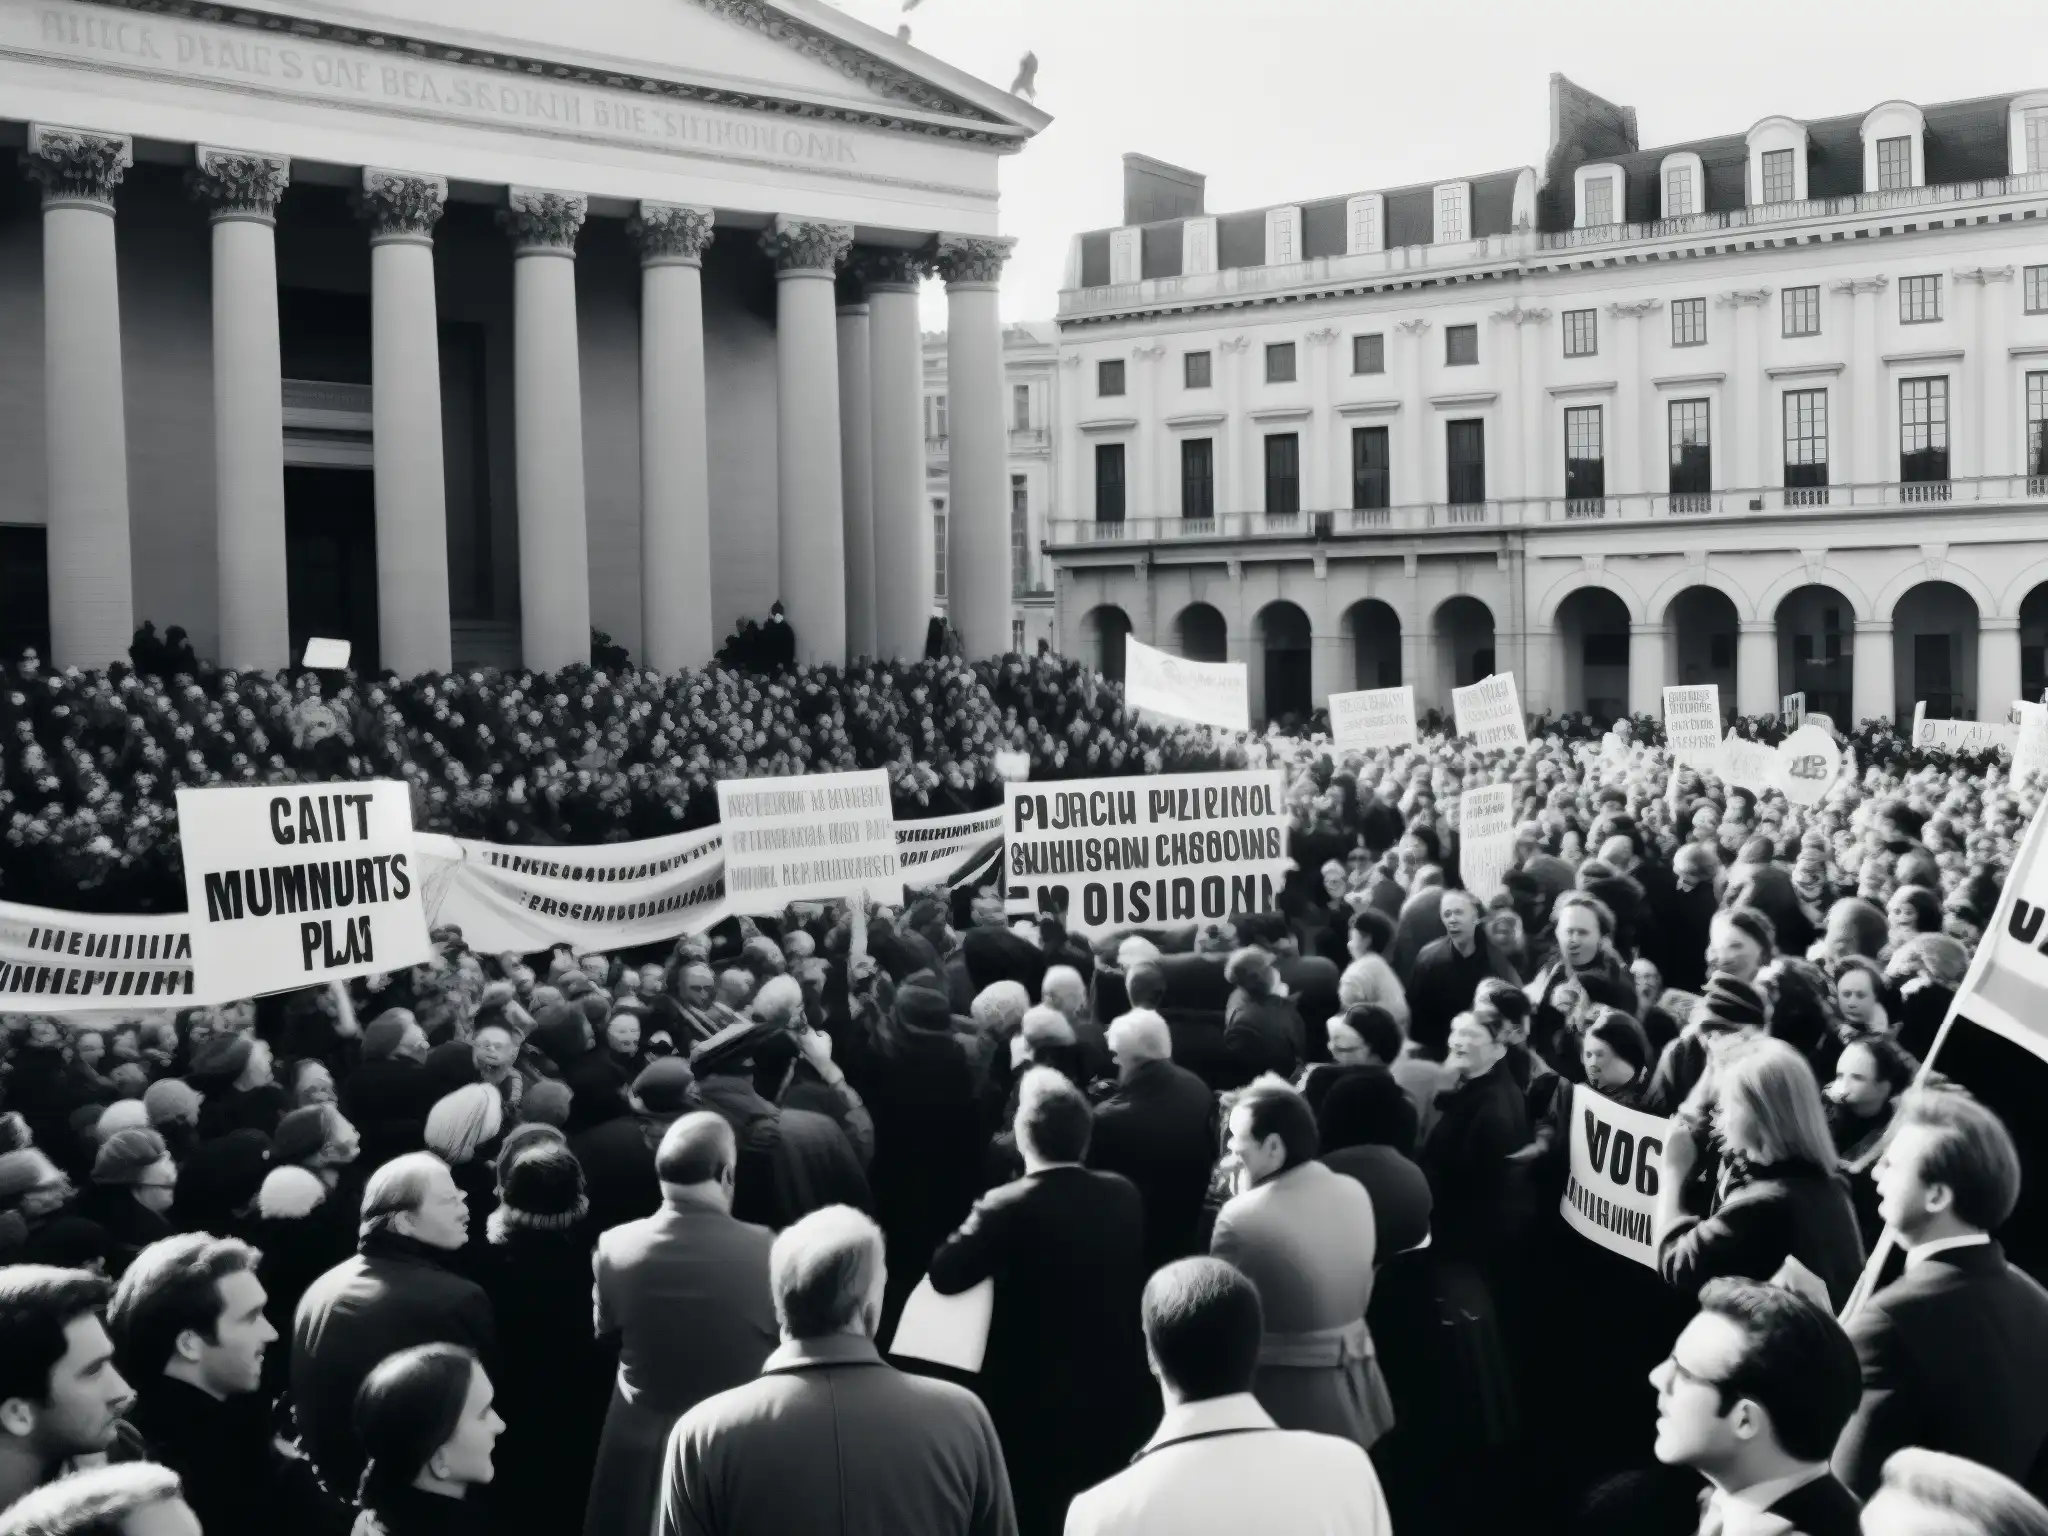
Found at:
[795, 50]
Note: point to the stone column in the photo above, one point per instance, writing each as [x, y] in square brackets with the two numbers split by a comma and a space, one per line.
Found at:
[1648, 650]
[675, 494]
[857, 476]
[1756, 668]
[413, 629]
[1634, 405]
[1412, 483]
[1863, 458]
[1996, 435]
[902, 525]
[91, 579]
[1317, 493]
[242, 190]
[547, 407]
[1517, 478]
[1534, 413]
[1998, 666]
[811, 508]
[978, 516]
[1144, 491]
[1873, 693]
[1233, 486]
[1745, 390]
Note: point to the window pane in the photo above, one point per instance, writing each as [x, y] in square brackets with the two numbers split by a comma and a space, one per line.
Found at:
[1780, 185]
[2036, 119]
[1692, 452]
[1461, 344]
[1109, 377]
[1919, 299]
[1020, 407]
[1581, 335]
[1678, 201]
[1195, 370]
[2037, 423]
[1369, 467]
[1109, 482]
[1280, 362]
[1283, 472]
[1369, 354]
[1600, 201]
[2036, 288]
[1450, 213]
[1923, 429]
[1585, 464]
[938, 549]
[1465, 446]
[1806, 438]
[1802, 311]
[1688, 322]
[1198, 477]
[1894, 164]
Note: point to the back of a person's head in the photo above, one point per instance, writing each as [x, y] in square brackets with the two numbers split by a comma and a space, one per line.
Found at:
[1931, 1493]
[1366, 1109]
[1141, 1035]
[406, 1410]
[780, 1001]
[697, 1149]
[1379, 1029]
[1968, 1149]
[96, 1502]
[1053, 1119]
[1145, 984]
[826, 1273]
[172, 1287]
[1276, 1108]
[1797, 1364]
[37, 1303]
[398, 1189]
[1063, 988]
[1375, 927]
[1203, 1327]
[1250, 969]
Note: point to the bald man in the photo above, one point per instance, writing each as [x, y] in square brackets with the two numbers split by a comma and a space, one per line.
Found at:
[1158, 1129]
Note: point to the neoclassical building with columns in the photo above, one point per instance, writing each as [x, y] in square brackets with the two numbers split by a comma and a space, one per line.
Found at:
[455, 331]
[1768, 410]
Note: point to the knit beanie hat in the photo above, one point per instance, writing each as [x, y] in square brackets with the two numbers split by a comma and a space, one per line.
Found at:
[127, 1155]
[300, 1135]
[1728, 1005]
[462, 1121]
[122, 1115]
[383, 1034]
[289, 1193]
[542, 1190]
[171, 1101]
[547, 1102]
[663, 1087]
[221, 1060]
[1621, 1034]
[922, 1003]
[24, 1172]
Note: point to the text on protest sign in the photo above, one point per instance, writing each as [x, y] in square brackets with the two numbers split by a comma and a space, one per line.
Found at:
[1486, 838]
[1809, 760]
[1206, 692]
[1489, 713]
[807, 836]
[1610, 1195]
[1692, 724]
[71, 962]
[1964, 735]
[293, 887]
[1372, 718]
[1167, 848]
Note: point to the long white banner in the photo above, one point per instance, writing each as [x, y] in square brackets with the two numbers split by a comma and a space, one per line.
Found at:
[1206, 692]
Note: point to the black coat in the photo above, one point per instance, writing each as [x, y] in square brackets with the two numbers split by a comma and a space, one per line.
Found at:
[1820, 1508]
[1158, 1129]
[387, 1100]
[1790, 1210]
[1064, 1377]
[1478, 1196]
[1681, 929]
[1954, 1353]
[618, 1171]
[1442, 984]
[221, 1452]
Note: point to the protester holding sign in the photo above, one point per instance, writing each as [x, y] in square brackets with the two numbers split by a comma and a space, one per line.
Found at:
[1489, 712]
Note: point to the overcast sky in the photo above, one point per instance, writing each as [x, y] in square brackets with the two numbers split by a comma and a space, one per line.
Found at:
[1283, 100]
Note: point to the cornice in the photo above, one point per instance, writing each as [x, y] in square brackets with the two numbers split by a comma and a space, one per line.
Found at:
[1805, 370]
[1592, 387]
[1464, 398]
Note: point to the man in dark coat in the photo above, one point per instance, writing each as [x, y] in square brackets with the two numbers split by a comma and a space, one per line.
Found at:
[618, 1156]
[1954, 1351]
[1448, 972]
[388, 1095]
[396, 1292]
[1158, 1129]
[1064, 1377]
[791, 1161]
[1684, 917]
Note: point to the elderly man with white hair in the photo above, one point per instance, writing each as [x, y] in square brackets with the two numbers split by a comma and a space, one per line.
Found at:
[1064, 989]
[1157, 1130]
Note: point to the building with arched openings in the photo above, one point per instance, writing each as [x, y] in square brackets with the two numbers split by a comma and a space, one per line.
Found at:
[1768, 410]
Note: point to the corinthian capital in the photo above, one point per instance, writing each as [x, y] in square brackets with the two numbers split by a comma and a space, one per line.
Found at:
[806, 245]
[1984, 275]
[1521, 315]
[400, 205]
[1738, 298]
[74, 165]
[1855, 285]
[671, 232]
[237, 185]
[971, 258]
[876, 265]
[543, 221]
[1414, 327]
[1635, 309]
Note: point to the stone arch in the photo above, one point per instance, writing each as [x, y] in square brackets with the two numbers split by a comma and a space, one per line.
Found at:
[1955, 575]
[1935, 628]
[1592, 651]
[1691, 576]
[1105, 628]
[1201, 633]
[1827, 576]
[1372, 640]
[1578, 581]
[2017, 591]
[1283, 637]
[1465, 632]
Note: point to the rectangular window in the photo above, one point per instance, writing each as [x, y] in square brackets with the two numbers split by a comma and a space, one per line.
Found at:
[1894, 164]
[1781, 185]
[1369, 353]
[2037, 428]
[1678, 201]
[1450, 213]
[1585, 458]
[2034, 290]
[935, 418]
[1020, 536]
[1461, 345]
[1581, 332]
[1923, 433]
[1198, 477]
[939, 550]
[2036, 122]
[1109, 376]
[1371, 485]
[1465, 461]
[1919, 299]
[1692, 456]
[1283, 473]
[1280, 362]
[1599, 201]
[1194, 370]
[1802, 311]
[1806, 447]
[1020, 407]
[1688, 322]
[1109, 482]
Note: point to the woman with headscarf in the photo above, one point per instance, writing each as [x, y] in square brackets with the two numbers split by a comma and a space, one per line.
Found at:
[133, 1184]
[462, 1130]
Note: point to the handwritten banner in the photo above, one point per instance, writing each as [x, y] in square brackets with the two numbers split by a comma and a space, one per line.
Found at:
[1489, 713]
[808, 836]
[73, 962]
[1486, 838]
[1206, 692]
[1373, 718]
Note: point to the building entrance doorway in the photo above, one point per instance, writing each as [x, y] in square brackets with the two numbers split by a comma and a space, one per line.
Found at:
[330, 518]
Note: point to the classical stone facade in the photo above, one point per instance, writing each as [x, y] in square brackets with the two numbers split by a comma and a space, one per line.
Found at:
[457, 346]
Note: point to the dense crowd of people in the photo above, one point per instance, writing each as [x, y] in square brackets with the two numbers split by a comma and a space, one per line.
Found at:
[1270, 1206]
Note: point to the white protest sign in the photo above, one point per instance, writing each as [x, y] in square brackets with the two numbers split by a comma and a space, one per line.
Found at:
[71, 962]
[946, 1330]
[2030, 749]
[1792, 708]
[292, 887]
[1963, 735]
[1692, 724]
[1486, 838]
[1149, 851]
[326, 655]
[1012, 765]
[1372, 717]
[1206, 692]
[1809, 760]
[1748, 764]
[808, 836]
[1490, 712]
[1610, 1195]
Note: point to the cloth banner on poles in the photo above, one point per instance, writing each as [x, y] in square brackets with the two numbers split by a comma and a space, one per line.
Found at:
[1749, 764]
[1486, 838]
[1214, 693]
[1489, 713]
[77, 962]
[1610, 1197]
[1963, 735]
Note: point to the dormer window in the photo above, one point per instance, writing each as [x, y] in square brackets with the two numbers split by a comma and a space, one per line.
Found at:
[1682, 185]
[1892, 157]
[1678, 195]
[1599, 195]
[1452, 222]
[1777, 162]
